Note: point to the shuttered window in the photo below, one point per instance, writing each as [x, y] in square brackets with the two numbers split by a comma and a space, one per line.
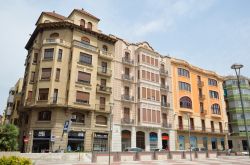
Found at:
[157, 78]
[158, 117]
[82, 97]
[148, 59]
[102, 120]
[156, 62]
[43, 94]
[48, 54]
[148, 93]
[144, 114]
[153, 94]
[153, 116]
[152, 61]
[157, 96]
[84, 77]
[143, 58]
[144, 93]
[152, 77]
[46, 73]
[143, 74]
[148, 115]
[58, 73]
[148, 75]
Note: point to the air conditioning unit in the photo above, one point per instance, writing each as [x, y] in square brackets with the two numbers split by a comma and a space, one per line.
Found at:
[73, 117]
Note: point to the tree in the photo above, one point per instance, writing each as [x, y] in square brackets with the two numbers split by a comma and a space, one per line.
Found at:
[8, 137]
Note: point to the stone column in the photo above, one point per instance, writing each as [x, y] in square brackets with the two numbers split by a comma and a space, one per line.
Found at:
[147, 142]
[159, 139]
[172, 140]
[116, 139]
[133, 137]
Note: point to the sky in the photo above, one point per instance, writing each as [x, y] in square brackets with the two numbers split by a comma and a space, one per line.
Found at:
[211, 34]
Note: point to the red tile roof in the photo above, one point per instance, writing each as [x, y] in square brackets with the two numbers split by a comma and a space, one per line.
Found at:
[87, 13]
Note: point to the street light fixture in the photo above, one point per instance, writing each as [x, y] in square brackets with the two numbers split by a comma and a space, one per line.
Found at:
[110, 125]
[237, 68]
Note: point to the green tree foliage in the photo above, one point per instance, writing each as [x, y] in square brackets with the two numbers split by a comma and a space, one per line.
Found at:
[14, 160]
[8, 137]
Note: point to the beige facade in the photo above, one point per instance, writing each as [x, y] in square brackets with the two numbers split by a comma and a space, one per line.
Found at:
[198, 105]
[142, 109]
[67, 78]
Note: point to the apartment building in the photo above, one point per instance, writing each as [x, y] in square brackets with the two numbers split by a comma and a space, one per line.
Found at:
[142, 111]
[237, 139]
[199, 107]
[67, 85]
[9, 106]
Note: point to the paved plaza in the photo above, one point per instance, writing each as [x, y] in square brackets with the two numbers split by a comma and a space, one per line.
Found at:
[235, 160]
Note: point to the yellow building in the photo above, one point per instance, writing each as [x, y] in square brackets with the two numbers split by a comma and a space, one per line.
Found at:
[67, 84]
[199, 105]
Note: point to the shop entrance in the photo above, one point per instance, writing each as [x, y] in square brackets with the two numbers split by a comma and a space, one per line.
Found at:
[75, 141]
[41, 141]
[153, 141]
[100, 142]
[140, 140]
[126, 139]
[165, 139]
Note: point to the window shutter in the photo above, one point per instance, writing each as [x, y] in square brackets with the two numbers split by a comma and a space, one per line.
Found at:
[157, 96]
[143, 92]
[148, 115]
[144, 114]
[156, 62]
[152, 77]
[148, 93]
[143, 74]
[158, 117]
[153, 116]
[148, 75]
[143, 58]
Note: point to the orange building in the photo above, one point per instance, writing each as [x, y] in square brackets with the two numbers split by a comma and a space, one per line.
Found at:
[198, 103]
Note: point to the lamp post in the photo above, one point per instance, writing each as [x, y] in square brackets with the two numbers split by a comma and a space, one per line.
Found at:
[237, 68]
[110, 125]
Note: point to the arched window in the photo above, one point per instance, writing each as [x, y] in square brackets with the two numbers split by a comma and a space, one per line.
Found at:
[215, 109]
[44, 116]
[102, 120]
[78, 118]
[105, 48]
[89, 26]
[85, 39]
[54, 35]
[82, 22]
[185, 102]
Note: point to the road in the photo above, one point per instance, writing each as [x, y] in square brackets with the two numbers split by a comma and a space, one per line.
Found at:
[227, 160]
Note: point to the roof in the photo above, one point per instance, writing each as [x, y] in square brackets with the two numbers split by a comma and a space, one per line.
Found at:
[86, 13]
[52, 14]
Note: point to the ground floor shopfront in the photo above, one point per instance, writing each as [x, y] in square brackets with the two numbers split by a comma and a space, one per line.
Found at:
[206, 141]
[237, 143]
[83, 134]
[146, 138]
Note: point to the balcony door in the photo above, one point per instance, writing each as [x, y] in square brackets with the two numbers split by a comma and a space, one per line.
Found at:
[180, 122]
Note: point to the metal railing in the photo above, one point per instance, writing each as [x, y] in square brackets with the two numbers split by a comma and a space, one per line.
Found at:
[127, 61]
[85, 45]
[103, 88]
[104, 70]
[165, 104]
[200, 129]
[127, 77]
[166, 125]
[126, 120]
[105, 53]
[163, 71]
[127, 97]
[166, 87]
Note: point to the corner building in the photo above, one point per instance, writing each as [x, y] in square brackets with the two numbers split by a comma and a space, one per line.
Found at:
[142, 112]
[199, 102]
[67, 78]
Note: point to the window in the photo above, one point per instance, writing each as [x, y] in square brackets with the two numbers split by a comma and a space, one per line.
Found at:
[58, 74]
[60, 52]
[102, 120]
[85, 40]
[32, 77]
[48, 54]
[44, 116]
[82, 22]
[203, 126]
[201, 107]
[183, 72]
[43, 94]
[126, 91]
[184, 86]
[29, 96]
[212, 126]
[54, 35]
[35, 58]
[89, 26]
[84, 77]
[82, 97]
[55, 95]
[192, 123]
[212, 82]
[185, 102]
[85, 58]
[215, 109]
[105, 48]
[46, 73]
[78, 118]
[220, 126]
[126, 71]
[126, 113]
[214, 94]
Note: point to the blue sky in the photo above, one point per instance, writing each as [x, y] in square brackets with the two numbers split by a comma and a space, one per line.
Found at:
[211, 34]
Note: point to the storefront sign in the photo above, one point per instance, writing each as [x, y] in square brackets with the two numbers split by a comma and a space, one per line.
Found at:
[76, 135]
[42, 134]
[101, 136]
[66, 126]
[52, 138]
[165, 138]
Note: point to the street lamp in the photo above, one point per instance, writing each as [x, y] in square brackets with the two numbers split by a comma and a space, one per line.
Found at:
[237, 68]
[110, 125]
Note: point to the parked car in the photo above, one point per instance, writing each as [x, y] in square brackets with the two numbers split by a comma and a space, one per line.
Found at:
[136, 149]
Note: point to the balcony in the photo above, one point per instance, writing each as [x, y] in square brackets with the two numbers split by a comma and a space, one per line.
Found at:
[194, 129]
[104, 71]
[164, 104]
[85, 45]
[105, 55]
[127, 61]
[127, 121]
[166, 125]
[200, 84]
[11, 99]
[203, 112]
[102, 108]
[186, 110]
[127, 77]
[163, 72]
[52, 101]
[215, 115]
[56, 41]
[202, 97]
[164, 87]
[103, 89]
[127, 98]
